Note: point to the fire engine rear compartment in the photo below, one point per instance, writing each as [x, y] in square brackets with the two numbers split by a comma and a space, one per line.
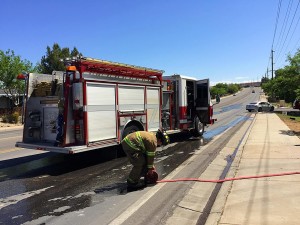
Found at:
[41, 108]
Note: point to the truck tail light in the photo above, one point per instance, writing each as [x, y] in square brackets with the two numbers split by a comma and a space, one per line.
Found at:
[182, 113]
[77, 129]
[211, 111]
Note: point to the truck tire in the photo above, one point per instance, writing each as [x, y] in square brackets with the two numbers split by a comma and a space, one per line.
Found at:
[199, 128]
[129, 129]
[259, 110]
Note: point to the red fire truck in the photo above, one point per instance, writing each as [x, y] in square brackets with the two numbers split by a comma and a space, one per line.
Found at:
[102, 101]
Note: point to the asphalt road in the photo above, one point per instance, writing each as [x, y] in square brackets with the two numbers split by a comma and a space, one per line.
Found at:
[38, 187]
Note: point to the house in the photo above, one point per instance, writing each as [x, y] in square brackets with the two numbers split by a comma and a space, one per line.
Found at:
[6, 103]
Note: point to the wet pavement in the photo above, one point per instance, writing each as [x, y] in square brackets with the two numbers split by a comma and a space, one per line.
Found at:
[58, 184]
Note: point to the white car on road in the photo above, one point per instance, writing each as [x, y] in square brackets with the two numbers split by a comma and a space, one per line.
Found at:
[260, 107]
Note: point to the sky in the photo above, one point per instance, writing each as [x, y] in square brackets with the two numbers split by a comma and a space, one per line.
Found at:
[225, 41]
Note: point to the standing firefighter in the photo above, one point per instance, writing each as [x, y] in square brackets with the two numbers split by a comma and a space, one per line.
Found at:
[140, 148]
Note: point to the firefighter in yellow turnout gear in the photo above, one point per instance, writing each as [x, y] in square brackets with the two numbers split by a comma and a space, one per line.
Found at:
[140, 148]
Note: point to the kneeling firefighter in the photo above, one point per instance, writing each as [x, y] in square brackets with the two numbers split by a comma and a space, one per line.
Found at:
[140, 149]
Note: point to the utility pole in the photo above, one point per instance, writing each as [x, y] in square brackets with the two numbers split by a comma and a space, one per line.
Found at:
[272, 51]
[272, 64]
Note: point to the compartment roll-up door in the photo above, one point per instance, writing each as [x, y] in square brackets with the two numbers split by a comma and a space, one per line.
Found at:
[153, 113]
[131, 98]
[101, 111]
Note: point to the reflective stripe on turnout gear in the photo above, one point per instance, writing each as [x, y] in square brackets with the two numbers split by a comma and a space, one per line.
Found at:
[150, 153]
[139, 137]
[150, 166]
[140, 141]
[132, 145]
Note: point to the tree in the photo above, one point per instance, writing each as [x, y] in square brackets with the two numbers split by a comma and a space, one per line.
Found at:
[224, 89]
[214, 91]
[53, 59]
[286, 83]
[10, 66]
[297, 91]
[264, 80]
[222, 86]
[232, 88]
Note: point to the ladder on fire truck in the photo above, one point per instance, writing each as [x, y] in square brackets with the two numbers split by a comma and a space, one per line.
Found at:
[100, 67]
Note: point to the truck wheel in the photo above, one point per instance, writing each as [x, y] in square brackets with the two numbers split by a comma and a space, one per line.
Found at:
[259, 110]
[199, 128]
[129, 129]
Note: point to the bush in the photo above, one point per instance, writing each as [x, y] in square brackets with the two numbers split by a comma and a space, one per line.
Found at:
[11, 118]
[5, 119]
[15, 117]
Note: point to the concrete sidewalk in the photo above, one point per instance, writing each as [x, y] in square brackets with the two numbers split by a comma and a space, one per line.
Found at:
[271, 148]
[266, 146]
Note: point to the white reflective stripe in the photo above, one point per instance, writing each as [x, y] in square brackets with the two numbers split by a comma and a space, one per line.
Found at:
[183, 121]
[94, 108]
[84, 108]
[132, 107]
[151, 106]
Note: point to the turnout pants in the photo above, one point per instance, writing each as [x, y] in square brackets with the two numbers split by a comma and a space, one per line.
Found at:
[138, 160]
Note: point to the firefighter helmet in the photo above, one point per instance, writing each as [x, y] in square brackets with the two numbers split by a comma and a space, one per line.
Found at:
[163, 136]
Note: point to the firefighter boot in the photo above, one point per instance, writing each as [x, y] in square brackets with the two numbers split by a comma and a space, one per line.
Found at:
[135, 186]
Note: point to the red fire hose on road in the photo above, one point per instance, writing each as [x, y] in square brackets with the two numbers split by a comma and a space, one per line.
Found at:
[228, 179]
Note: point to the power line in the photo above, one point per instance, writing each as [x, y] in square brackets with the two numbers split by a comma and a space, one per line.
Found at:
[278, 13]
[275, 30]
[283, 28]
[294, 48]
[289, 28]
